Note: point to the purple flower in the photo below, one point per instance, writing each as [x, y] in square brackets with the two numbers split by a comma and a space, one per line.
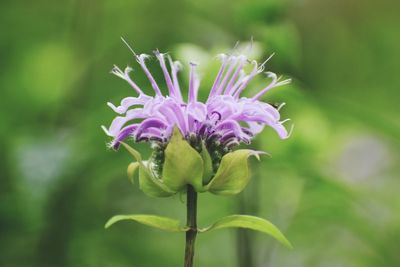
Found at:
[225, 118]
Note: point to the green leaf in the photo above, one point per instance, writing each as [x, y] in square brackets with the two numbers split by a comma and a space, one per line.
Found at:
[136, 155]
[233, 173]
[148, 182]
[132, 169]
[163, 223]
[182, 165]
[208, 170]
[249, 222]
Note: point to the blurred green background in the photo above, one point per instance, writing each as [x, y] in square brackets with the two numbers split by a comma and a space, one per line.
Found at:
[333, 187]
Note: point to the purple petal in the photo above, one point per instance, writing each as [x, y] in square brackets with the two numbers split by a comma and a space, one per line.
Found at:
[245, 80]
[229, 88]
[150, 123]
[217, 80]
[232, 60]
[194, 84]
[174, 114]
[141, 60]
[175, 67]
[125, 75]
[124, 133]
[128, 102]
[174, 92]
[151, 134]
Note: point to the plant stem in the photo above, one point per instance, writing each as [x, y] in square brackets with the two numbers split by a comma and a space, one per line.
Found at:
[191, 223]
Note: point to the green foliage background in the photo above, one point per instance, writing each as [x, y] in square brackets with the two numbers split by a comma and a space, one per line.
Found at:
[332, 188]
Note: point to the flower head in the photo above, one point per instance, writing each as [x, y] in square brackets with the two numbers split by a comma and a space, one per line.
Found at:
[225, 119]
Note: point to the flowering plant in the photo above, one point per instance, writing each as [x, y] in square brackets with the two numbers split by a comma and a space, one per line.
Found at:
[194, 142]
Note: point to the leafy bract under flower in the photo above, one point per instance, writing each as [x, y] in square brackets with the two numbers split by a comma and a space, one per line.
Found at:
[184, 166]
[225, 117]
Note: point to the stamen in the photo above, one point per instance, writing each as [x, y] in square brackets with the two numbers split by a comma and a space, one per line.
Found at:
[265, 62]
[290, 131]
[271, 85]
[250, 47]
[129, 47]
[247, 79]
[281, 106]
[284, 82]
[235, 47]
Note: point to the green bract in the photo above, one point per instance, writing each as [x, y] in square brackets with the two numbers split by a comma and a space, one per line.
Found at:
[233, 173]
[148, 182]
[183, 166]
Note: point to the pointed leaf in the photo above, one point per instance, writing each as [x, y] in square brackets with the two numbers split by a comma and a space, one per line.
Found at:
[159, 222]
[233, 173]
[148, 182]
[249, 222]
[151, 185]
[132, 169]
[182, 165]
[133, 152]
